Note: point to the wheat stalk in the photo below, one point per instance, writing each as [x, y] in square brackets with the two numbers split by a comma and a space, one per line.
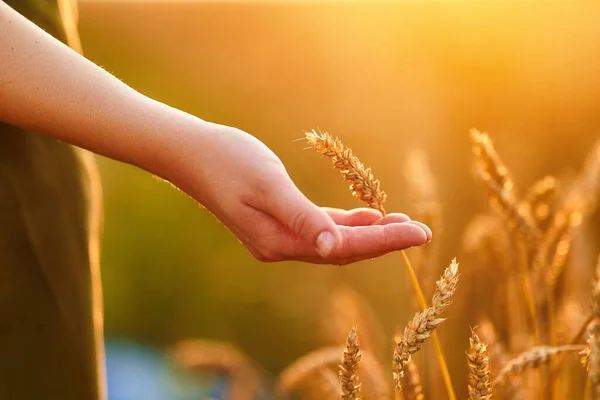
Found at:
[479, 371]
[349, 379]
[424, 323]
[364, 186]
[533, 358]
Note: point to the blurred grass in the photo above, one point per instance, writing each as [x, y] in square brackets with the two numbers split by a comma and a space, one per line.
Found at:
[388, 77]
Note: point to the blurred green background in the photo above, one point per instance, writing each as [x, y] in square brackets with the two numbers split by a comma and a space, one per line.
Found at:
[388, 77]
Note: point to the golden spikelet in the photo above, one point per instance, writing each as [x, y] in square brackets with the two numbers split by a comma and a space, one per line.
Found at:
[533, 358]
[479, 371]
[425, 322]
[349, 379]
[222, 358]
[362, 182]
[493, 173]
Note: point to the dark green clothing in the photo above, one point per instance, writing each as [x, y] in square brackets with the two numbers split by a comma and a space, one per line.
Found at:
[50, 302]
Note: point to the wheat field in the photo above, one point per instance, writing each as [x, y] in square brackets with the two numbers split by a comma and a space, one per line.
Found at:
[518, 349]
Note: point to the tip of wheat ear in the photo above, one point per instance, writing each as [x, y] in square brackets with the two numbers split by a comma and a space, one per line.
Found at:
[349, 379]
[425, 322]
[362, 182]
[479, 370]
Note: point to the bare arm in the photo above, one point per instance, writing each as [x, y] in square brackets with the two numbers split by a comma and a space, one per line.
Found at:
[50, 89]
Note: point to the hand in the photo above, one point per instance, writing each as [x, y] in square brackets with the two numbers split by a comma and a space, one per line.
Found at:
[246, 186]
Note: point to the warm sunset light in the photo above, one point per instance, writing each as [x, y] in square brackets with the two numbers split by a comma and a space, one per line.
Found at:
[392, 200]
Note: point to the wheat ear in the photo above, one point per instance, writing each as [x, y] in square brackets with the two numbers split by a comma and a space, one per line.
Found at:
[362, 182]
[349, 379]
[533, 358]
[364, 186]
[479, 370]
[424, 323]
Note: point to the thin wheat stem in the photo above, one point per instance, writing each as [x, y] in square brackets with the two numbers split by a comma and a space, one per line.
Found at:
[436, 341]
[397, 394]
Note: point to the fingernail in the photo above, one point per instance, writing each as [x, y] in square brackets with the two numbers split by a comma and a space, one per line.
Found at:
[325, 243]
[428, 233]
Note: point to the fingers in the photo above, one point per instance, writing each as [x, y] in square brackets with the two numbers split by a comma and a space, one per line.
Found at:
[368, 241]
[303, 218]
[357, 243]
[361, 244]
[362, 216]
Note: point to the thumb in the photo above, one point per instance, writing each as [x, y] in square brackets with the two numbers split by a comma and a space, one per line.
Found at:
[308, 221]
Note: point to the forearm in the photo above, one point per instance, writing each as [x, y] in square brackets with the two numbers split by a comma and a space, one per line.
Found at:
[48, 88]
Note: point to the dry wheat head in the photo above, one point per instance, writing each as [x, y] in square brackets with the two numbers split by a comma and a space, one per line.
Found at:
[349, 379]
[424, 323]
[479, 370]
[362, 182]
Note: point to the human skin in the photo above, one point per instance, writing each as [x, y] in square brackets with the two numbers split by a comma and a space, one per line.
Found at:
[48, 88]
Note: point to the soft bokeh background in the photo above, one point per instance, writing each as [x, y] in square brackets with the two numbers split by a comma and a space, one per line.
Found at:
[388, 77]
